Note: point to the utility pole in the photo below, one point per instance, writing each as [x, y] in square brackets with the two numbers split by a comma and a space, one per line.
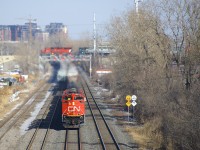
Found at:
[137, 5]
[30, 20]
[90, 66]
[94, 35]
[30, 28]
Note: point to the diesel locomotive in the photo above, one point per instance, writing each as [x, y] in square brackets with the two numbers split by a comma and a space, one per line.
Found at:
[73, 107]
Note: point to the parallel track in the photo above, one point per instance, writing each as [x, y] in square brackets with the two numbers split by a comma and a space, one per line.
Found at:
[25, 109]
[105, 134]
[40, 123]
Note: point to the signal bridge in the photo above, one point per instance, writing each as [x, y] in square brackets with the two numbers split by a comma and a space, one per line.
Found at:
[64, 58]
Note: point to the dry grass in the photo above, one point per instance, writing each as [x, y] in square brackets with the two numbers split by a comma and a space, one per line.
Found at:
[145, 135]
[5, 94]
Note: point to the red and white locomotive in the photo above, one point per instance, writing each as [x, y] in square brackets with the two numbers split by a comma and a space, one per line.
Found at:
[73, 107]
[56, 51]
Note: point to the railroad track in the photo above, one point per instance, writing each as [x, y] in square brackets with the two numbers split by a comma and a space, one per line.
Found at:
[106, 137]
[40, 124]
[45, 133]
[73, 139]
[25, 109]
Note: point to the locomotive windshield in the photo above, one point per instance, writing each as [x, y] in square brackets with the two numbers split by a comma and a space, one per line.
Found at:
[73, 90]
[68, 97]
[78, 98]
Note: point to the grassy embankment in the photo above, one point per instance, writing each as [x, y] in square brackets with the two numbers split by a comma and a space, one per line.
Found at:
[147, 136]
[6, 93]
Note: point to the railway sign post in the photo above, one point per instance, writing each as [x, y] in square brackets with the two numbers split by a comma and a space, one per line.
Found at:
[133, 103]
[128, 98]
[134, 97]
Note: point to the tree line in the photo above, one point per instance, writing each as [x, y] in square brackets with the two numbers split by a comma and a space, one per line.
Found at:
[158, 59]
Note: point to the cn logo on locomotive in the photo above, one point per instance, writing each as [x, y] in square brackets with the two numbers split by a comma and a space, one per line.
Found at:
[73, 108]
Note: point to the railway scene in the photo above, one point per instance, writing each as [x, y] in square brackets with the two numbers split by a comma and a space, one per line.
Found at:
[130, 82]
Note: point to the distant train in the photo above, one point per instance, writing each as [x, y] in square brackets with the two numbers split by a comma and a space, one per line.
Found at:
[56, 51]
[73, 107]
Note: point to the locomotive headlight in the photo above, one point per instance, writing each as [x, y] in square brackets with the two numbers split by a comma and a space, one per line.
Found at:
[73, 103]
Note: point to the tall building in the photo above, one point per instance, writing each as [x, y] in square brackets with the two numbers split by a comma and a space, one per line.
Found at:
[54, 28]
[16, 32]
[24, 32]
[30, 31]
[5, 33]
[42, 36]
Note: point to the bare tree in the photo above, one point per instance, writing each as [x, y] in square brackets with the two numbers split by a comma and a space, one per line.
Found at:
[147, 44]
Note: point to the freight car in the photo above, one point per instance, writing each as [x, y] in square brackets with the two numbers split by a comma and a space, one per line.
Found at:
[56, 51]
[73, 107]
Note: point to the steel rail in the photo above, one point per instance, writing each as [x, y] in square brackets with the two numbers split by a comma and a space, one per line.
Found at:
[32, 95]
[107, 126]
[66, 146]
[46, 135]
[40, 123]
[95, 122]
[20, 114]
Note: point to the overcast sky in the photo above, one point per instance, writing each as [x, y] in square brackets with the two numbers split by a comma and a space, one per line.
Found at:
[76, 14]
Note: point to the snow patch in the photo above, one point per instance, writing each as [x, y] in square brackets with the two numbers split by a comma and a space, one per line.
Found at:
[16, 106]
[25, 126]
[15, 96]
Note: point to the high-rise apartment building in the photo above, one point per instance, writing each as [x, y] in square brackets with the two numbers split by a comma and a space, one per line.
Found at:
[30, 31]
[54, 28]
[5, 33]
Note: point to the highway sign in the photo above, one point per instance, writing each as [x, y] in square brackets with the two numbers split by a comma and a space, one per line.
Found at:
[134, 103]
[128, 97]
[128, 104]
[134, 97]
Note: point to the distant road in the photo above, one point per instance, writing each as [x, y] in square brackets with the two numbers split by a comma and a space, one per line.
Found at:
[7, 58]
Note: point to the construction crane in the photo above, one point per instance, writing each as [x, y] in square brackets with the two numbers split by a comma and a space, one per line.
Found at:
[30, 20]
